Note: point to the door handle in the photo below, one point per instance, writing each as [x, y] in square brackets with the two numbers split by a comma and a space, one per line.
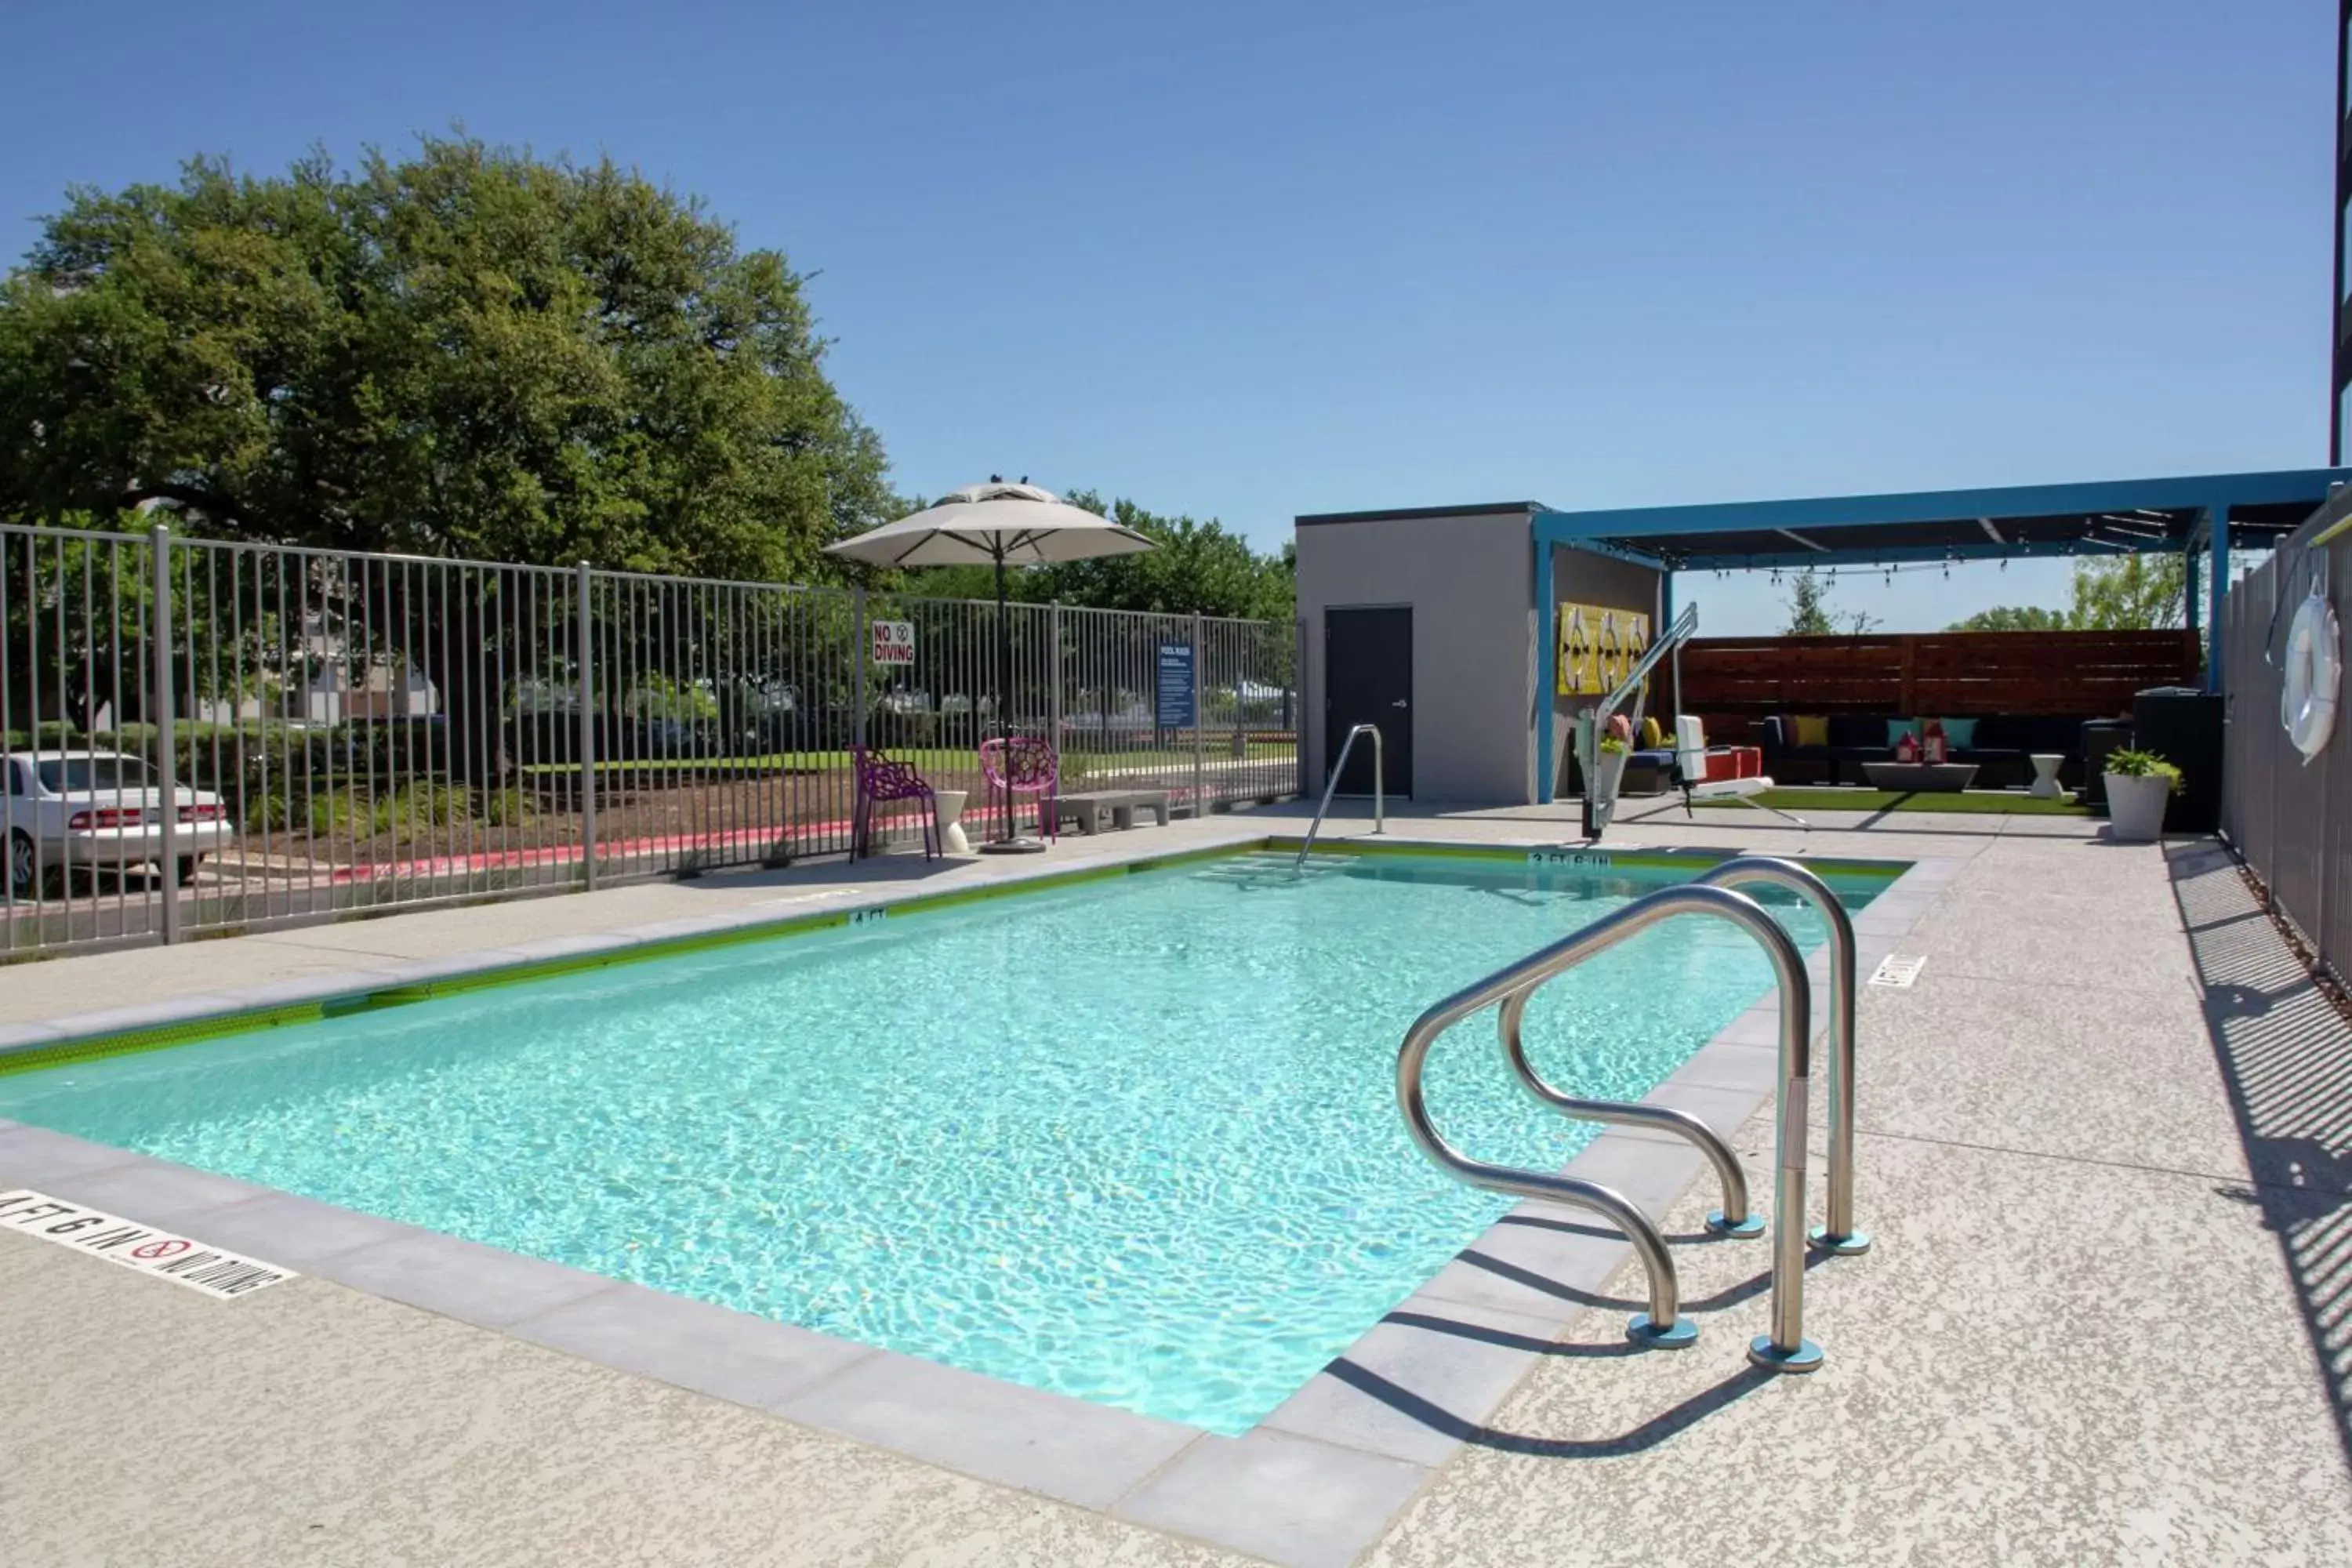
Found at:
[1400, 702]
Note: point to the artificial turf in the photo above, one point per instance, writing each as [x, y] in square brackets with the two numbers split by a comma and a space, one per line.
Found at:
[1994, 802]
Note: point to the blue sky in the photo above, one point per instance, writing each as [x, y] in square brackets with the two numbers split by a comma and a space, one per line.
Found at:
[1250, 260]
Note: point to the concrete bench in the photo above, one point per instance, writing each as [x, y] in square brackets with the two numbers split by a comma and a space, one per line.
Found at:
[1088, 807]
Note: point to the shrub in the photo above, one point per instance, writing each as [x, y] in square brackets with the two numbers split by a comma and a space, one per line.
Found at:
[2135, 764]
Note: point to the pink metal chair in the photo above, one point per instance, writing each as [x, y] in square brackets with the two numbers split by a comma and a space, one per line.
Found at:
[1024, 764]
[882, 780]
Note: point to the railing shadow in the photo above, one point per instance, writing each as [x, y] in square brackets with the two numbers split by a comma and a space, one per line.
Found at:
[1729, 1296]
[1666, 1424]
[2285, 1054]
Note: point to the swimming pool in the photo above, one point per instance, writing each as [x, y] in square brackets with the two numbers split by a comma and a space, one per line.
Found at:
[1132, 1140]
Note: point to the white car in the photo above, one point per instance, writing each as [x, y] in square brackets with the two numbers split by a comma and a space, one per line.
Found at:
[62, 809]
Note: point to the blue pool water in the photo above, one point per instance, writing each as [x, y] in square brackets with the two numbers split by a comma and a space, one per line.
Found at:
[1134, 1140]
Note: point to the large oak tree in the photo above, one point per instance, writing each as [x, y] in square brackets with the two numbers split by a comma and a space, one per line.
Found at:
[468, 351]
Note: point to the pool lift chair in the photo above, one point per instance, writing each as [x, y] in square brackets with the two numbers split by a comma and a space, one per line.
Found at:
[1689, 770]
[1511, 987]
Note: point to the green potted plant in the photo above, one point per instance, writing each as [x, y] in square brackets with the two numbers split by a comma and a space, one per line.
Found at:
[2139, 786]
[1614, 749]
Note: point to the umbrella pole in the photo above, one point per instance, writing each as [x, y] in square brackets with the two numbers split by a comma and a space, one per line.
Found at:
[1007, 841]
[1004, 833]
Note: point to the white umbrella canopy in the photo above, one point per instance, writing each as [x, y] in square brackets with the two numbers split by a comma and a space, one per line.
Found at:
[993, 525]
[1002, 525]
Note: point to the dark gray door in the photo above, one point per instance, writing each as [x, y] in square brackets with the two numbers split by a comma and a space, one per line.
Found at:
[1368, 679]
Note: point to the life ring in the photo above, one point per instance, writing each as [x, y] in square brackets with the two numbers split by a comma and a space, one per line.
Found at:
[2314, 670]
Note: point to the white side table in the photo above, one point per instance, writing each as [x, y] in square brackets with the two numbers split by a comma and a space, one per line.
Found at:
[2046, 786]
[951, 814]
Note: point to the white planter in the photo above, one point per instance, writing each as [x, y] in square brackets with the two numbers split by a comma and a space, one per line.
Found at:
[950, 812]
[2136, 807]
[1608, 771]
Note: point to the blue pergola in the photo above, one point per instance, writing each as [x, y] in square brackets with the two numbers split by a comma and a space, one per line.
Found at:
[2201, 518]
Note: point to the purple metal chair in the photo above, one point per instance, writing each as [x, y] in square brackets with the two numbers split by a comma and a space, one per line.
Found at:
[880, 779]
[1024, 765]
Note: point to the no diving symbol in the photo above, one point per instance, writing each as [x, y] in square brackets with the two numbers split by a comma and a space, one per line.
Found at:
[154, 1249]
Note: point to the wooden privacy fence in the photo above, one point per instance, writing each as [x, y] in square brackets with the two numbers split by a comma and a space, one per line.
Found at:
[1939, 673]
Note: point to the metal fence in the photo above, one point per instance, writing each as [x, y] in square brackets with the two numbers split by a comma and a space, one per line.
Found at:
[2292, 820]
[368, 731]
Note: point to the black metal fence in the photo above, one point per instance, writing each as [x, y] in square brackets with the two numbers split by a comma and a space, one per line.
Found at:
[362, 732]
[2289, 816]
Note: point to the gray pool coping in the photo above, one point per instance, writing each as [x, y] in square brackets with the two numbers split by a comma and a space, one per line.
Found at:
[1310, 1487]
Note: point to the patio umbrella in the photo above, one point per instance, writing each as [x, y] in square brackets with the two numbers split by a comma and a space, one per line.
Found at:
[1001, 525]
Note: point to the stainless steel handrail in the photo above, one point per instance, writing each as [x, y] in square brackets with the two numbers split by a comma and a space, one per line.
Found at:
[1785, 1348]
[1379, 797]
[1734, 1219]
[1840, 1234]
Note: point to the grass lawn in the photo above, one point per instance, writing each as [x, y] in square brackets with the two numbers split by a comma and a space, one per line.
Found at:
[1998, 802]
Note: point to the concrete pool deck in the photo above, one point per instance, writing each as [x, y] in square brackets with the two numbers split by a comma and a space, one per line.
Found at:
[2069, 1345]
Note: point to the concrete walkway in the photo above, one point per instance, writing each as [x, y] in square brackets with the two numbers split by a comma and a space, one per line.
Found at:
[2086, 1334]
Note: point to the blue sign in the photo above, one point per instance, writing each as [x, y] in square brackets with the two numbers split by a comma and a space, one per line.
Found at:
[1175, 707]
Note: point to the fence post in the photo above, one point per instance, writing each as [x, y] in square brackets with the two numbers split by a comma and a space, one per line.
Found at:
[167, 734]
[585, 643]
[1200, 723]
[1294, 704]
[857, 646]
[1054, 692]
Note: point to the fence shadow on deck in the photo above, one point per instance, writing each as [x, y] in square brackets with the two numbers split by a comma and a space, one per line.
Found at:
[2285, 1056]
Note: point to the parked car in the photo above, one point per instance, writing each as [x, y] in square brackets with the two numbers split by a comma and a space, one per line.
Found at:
[62, 809]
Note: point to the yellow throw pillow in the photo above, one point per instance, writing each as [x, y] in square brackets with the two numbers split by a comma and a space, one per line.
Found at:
[1651, 736]
[1812, 730]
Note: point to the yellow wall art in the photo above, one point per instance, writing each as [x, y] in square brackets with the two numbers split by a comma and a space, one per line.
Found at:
[1598, 648]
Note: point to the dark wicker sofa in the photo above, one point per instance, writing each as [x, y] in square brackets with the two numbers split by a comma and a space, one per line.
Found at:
[2000, 749]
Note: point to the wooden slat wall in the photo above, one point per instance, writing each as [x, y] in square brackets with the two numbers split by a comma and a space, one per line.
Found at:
[1935, 673]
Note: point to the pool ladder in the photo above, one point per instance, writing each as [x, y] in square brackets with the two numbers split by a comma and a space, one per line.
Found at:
[1785, 1348]
[1379, 796]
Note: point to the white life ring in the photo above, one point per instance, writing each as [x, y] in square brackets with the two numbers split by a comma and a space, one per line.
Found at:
[2314, 670]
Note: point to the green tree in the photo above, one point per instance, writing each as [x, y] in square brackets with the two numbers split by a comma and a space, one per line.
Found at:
[2128, 593]
[1811, 616]
[2124, 592]
[2012, 618]
[466, 352]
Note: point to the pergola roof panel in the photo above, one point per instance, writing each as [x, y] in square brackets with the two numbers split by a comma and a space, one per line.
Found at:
[2130, 515]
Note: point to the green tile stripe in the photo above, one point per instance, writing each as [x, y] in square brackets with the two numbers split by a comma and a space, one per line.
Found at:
[1659, 859]
[187, 1031]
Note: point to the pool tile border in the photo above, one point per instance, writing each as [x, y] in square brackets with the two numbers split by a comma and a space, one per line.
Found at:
[1310, 1487]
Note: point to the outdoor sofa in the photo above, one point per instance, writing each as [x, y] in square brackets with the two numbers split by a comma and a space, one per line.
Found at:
[2000, 745]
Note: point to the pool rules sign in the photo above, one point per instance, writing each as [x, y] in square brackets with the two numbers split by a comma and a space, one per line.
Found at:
[894, 642]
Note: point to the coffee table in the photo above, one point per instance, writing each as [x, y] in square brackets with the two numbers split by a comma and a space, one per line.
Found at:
[1920, 778]
[2045, 785]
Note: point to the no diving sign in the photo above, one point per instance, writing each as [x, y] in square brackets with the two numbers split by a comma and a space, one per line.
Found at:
[150, 1251]
[894, 642]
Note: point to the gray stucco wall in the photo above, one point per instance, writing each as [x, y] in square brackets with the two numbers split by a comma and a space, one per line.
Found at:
[1471, 583]
[1578, 578]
